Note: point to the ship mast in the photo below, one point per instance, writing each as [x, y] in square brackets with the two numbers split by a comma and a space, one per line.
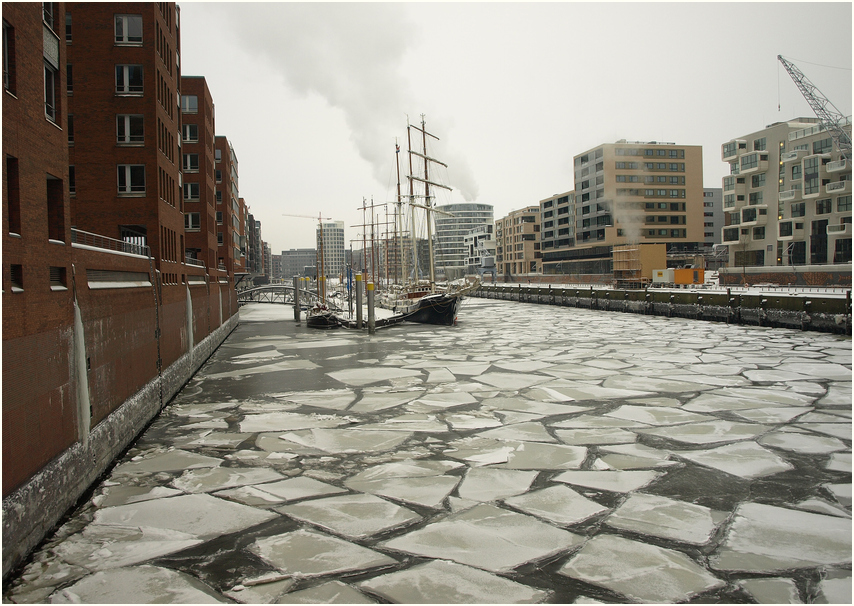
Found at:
[399, 226]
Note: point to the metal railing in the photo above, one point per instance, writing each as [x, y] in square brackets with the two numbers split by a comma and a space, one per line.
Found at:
[89, 239]
[188, 260]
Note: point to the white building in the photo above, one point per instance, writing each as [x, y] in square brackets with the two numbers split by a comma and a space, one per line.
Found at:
[333, 247]
[451, 252]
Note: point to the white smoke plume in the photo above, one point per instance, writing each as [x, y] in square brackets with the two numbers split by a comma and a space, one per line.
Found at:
[350, 54]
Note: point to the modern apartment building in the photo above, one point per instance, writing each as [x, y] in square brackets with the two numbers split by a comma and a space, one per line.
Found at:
[787, 198]
[123, 82]
[517, 243]
[200, 177]
[557, 214]
[451, 229]
[333, 247]
[295, 260]
[631, 193]
[480, 248]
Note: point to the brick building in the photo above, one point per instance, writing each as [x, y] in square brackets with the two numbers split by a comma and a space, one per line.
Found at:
[199, 174]
[227, 203]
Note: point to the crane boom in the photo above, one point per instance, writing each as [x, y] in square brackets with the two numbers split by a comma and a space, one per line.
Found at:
[831, 118]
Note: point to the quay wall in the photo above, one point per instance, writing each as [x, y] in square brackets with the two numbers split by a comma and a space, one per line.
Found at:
[79, 389]
[823, 314]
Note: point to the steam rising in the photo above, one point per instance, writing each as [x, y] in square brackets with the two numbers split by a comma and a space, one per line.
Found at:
[351, 55]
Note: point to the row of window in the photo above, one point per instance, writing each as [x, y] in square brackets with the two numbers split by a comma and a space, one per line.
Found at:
[652, 193]
[650, 179]
[670, 166]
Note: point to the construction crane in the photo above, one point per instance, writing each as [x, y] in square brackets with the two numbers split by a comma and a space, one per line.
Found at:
[830, 117]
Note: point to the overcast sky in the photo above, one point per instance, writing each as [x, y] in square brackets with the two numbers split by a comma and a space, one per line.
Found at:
[313, 95]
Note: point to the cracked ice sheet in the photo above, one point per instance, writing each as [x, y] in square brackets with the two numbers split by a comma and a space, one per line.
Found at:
[642, 572]
[443, 582]
[510, 380]
[559, 505]
[663, 517]
[337, 441]
[838, 430]
[764, 538]
[359, 377]
[743, 459]
[488, 484]
[654, 415]
[356, 516]
[641, 380]
[522, 404]
[138, 585]
[425, 491]
[200, 515]
[293, 489]
[336, 399]
[332, 592]
[373, 402]
[801, 441]
[519, 432]
[289, 421]
[486, 537]
[580, 437]
[219, 478]
[772, 591]
[173, 460]
[274, 367]
[432, 401]
[710, 432]
[308, 553]
[101, 547]
[584, 391]
[612, 481]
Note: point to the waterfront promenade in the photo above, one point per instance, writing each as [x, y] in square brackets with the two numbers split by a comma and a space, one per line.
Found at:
[529, 454]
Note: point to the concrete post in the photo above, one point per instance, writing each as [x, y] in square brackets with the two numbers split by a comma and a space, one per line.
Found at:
[297, 281]
[359, 300]
[371, 319]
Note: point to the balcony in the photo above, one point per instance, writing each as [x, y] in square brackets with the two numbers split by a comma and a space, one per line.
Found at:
[839, 231]
[838, 187]
[791, 156]
[730, 235]
[838, 166]
[748, 164]
[754, 215]
[730, 150]
[795, 231]
[788, 195]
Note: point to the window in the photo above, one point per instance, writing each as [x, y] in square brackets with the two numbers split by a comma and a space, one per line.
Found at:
[823, 207]
[843, 203]
[219, 217]
[16, 277]
[749, 161]
[219, 238]
[822, 147]
[69, 79]
[729, 149]
[129, 29]
[757, 180]
[219, 197]
[47, 13]
[218, 155]
[192, 221]
[190, 133]
[759, 144]
[219, 176]
[67, 26]
[129, 79]
[786, 229]
[55, 209]
[50, 93]
[191, 191]
[72, 181]
[191, 163]
[131, 179]
[57, 278]
[13, 195]
[799, 209]
[190, 105]
[811, 180]
[8, 57]
[70, 129]
[755, 198]
[129, 129]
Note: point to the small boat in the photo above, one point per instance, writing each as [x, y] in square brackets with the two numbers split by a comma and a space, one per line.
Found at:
[320, 316]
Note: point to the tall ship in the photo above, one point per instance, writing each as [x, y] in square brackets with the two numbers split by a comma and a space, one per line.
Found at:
[421, 300]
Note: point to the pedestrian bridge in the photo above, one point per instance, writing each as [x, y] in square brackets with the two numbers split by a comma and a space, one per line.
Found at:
[280, 293]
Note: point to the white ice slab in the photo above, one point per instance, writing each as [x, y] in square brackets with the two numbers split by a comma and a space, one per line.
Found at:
[173, 460]
[641, 572]
[373, 402]
[821, 370]
[663, 517]
[443, 582]
[743, 459]
[711, 432]
[366, 376]
[333, 592]
[839, 461]
[772, 591]
[355, 516]
[839, 430]
[289, 421]
[772, 415]
[508, 380]
[612, 481]
[652, 383]
[656, 415]
[488, 484]
[821, 506]
[486, 537]
[138, 585]
[333, 399]
[835, 590]
[521, 432]
[765, 538]
[594, 421]
[300, 487]
[441, 400]
[307, 553]
[538, 455]
[123, 495]
[200, 515]
[464, 421]
[261, 593]
[802, 441]
[219, 478]
[559, 505]
[347, 440]
[294, 364]
[427, 491]
[580, 437]
[584, 391]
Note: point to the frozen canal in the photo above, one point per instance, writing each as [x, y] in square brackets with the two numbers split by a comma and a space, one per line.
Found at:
[529, 454]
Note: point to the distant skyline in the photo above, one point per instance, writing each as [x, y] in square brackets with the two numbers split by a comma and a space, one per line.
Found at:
[313, 95]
